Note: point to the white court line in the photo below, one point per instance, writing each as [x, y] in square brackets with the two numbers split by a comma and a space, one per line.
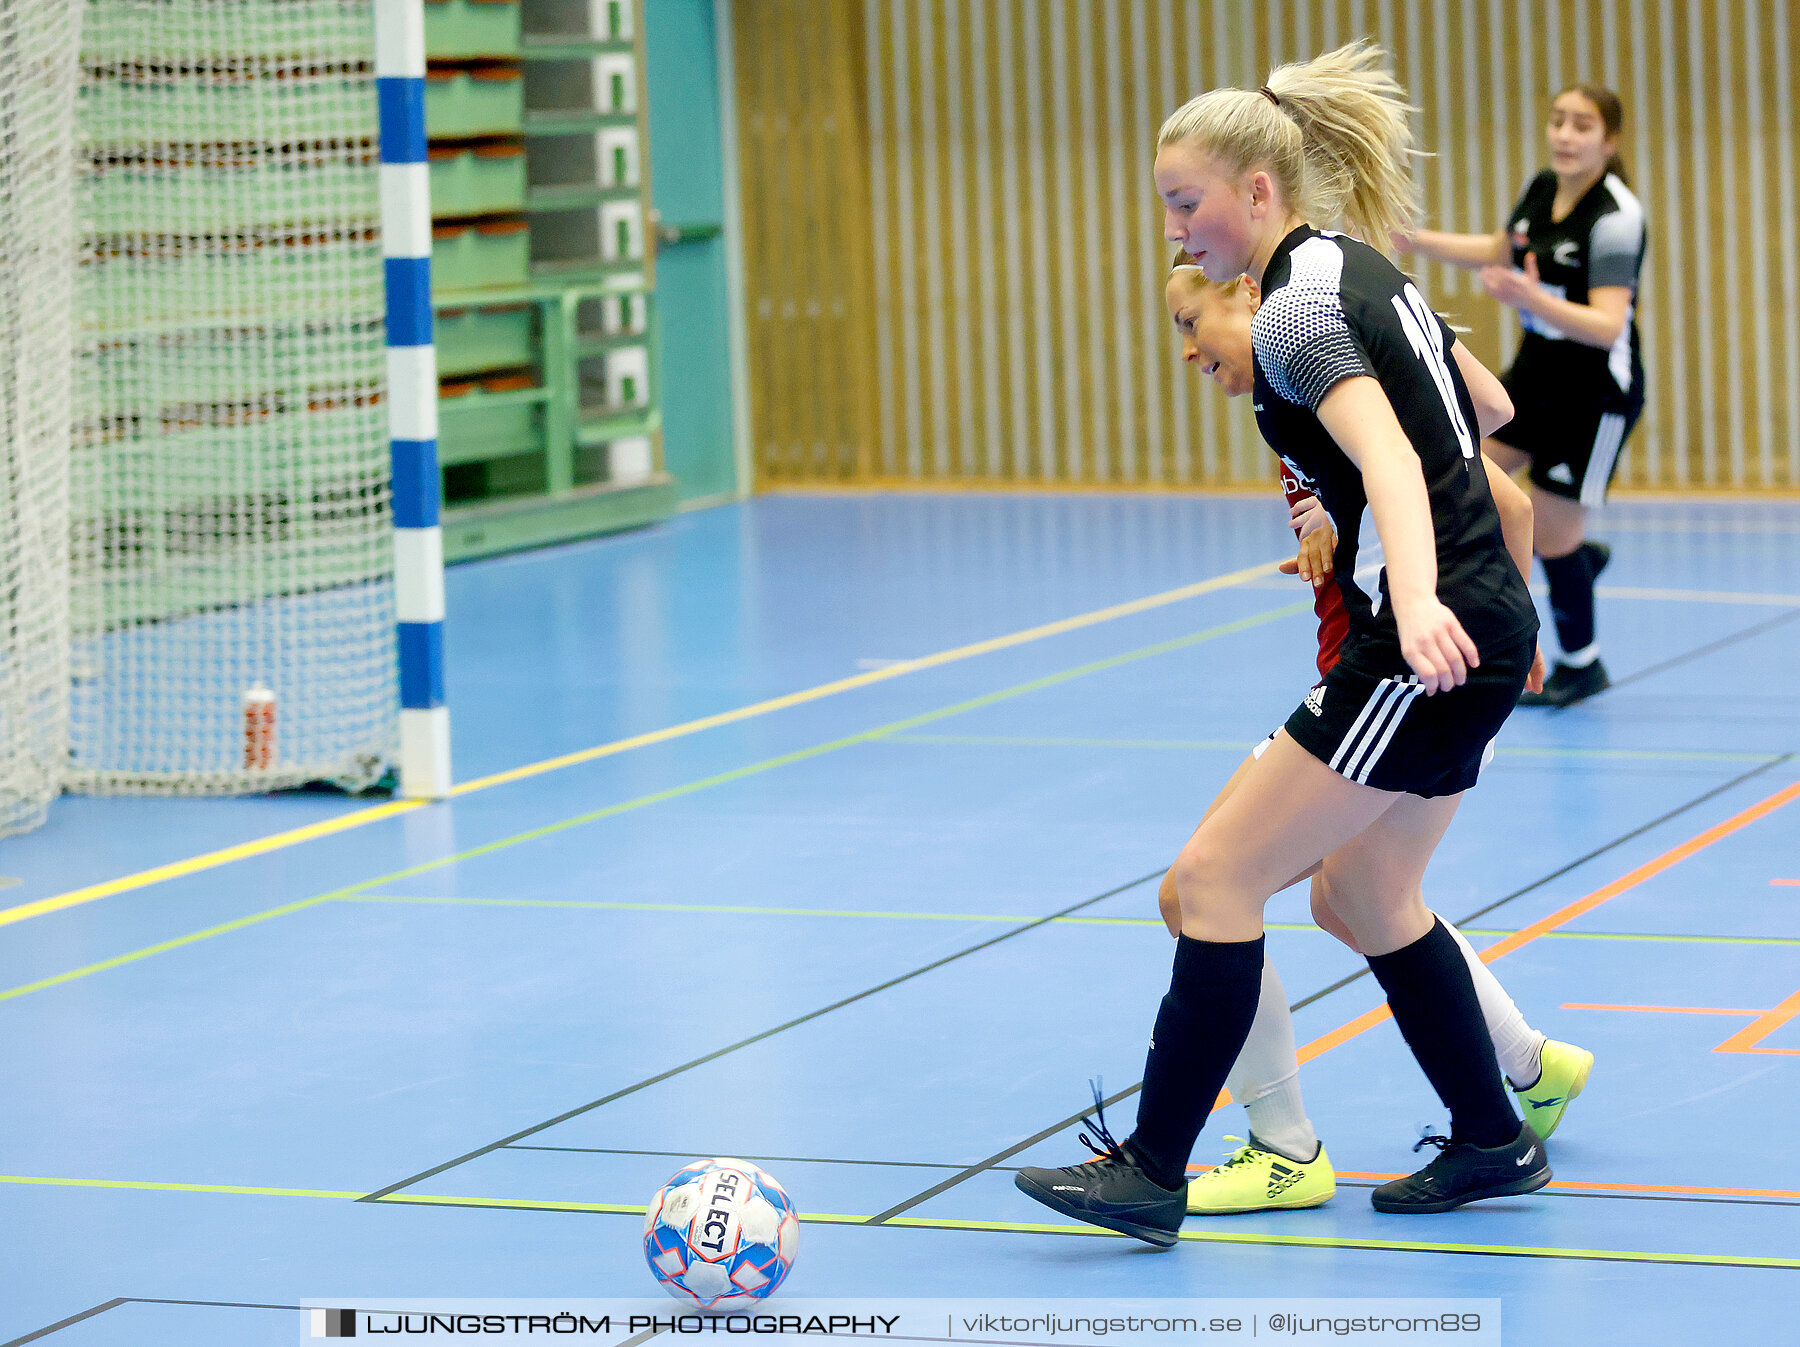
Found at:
[1694, 595]
[1618, 592]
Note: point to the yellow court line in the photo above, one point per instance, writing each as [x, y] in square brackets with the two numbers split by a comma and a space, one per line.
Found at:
[872, 736]
[356, 819]
[745, 910]
[942, 1223]
[195, 864]
[880, 675]
[118, 961]
[135, 1185]
[1245, 745]
[433, 1200]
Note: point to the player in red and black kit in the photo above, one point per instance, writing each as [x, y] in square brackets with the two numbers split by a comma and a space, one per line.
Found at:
[1284, 1165]
[1309, 519]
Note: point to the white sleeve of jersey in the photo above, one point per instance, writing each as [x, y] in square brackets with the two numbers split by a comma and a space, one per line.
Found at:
[1301, 335]
[1616, 242]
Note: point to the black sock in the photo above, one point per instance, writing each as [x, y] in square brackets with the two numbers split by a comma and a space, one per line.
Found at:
[1433, 999]
[1200, 1030]
[1572, 598]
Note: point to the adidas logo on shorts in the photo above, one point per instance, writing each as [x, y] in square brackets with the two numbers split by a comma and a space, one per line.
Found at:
[1315, 700]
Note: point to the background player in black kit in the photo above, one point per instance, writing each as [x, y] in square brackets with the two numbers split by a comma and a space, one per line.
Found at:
[1568, 261]
[1357, 393]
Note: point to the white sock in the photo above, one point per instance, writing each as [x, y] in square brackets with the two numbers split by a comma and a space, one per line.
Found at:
[1516, 1043]
[1265, 1079]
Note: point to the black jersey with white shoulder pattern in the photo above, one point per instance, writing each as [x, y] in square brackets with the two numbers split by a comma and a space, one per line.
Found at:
[1600, 242]
[1333, 309]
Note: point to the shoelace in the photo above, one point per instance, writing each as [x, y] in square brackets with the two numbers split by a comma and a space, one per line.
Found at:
[1243, 1155]
[1107, 1148]
[1432, 1139]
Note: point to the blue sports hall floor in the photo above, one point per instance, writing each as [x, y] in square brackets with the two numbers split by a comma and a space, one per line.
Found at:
[824, 830]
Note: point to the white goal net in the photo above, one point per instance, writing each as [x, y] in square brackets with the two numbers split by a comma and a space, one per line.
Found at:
[196, 552]
[38, 76]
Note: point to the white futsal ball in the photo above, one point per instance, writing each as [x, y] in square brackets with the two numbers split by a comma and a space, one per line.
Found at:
[720, 1233]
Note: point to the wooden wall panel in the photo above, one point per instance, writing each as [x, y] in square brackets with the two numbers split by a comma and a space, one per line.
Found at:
[808, 258]
[954, 251]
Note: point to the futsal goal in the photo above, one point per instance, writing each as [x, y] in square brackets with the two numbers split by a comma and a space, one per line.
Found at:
[196, 534]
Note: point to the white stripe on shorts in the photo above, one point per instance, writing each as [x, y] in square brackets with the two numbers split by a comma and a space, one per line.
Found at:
[1600, 462]
[1374, 727]
[1374, 724]
[1382, 689]
[1399, 713]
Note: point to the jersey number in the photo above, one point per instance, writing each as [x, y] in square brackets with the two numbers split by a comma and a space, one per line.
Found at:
[1427, 340]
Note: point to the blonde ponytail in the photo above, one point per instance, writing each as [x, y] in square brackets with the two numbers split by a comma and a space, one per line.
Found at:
[1335, 133]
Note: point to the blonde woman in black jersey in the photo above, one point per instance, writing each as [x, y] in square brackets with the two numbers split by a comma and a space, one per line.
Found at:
[1568, 261]
[1358, 389]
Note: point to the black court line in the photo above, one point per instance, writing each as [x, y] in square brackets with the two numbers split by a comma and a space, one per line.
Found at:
[63, 1323]
[1243, 1238]
[1575, 864]
[140, 1300]
[1756, 630]
[228, 1304]
[753, 1159]
[1012, 1169]
[970, 1171]
[1476, 1251]
[1559, 1195]
[755, 1038]
[640, 1338]
[1630, 1197]
[994, 1160]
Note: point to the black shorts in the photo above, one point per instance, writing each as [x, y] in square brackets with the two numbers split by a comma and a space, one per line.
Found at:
[1572, 427]
[1383, 731]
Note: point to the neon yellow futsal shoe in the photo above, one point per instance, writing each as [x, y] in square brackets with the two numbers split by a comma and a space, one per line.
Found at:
[1254, 1179]
[1562, 1073]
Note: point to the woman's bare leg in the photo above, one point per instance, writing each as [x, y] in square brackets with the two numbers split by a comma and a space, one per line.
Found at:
[1286, 814]
[1375, 883]
[1558, 524]
[1503, 456]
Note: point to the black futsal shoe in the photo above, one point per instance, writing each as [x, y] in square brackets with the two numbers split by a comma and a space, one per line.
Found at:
[1565, 686]
[1599, 554]
[1464, 1173]
[1111, 1190]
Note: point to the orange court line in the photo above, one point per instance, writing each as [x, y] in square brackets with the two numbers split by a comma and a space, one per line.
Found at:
[1525, 935]
[1791, 883]
[1576, 1185]
[1666, 1010]
[1746, 1039]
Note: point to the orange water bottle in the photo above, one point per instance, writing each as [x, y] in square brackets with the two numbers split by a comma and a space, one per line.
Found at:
[259, 728]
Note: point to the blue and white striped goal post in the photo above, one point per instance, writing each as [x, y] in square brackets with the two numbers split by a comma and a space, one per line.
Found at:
[412, 398]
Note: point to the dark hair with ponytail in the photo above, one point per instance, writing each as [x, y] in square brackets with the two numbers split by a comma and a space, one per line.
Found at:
[1612, 117]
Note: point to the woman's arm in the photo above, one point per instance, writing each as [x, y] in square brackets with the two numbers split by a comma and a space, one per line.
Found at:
[1461, 250]
[1493, 406]
[1596, 323]
[1357, 414]
[1516, 512]
[1317, 541]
